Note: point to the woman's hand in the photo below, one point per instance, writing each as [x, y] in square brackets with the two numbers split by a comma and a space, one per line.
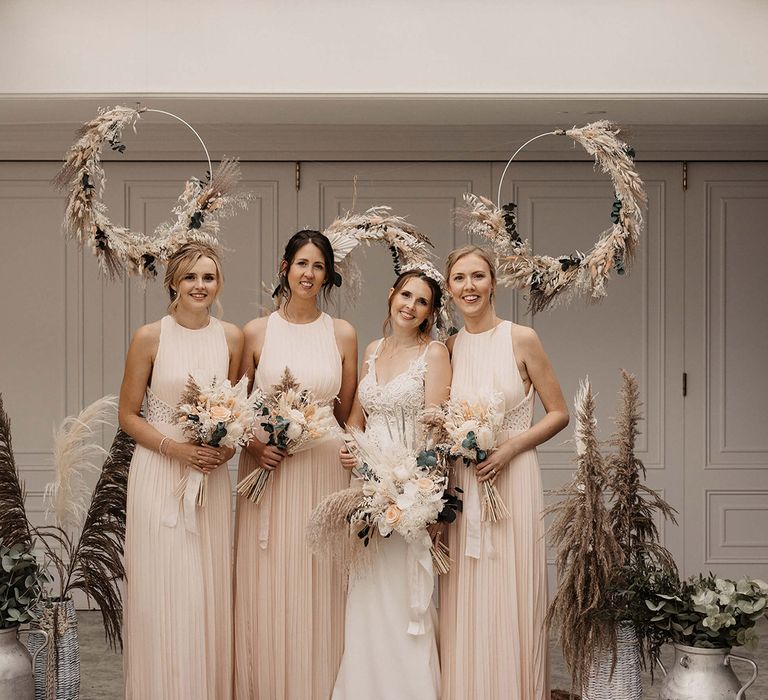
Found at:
[348, 460]
[267, 457]
[202, 457]
[226, 454]
[489, 469]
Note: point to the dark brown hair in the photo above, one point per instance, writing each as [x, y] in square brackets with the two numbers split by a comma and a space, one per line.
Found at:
[297, 242]
[437, 298]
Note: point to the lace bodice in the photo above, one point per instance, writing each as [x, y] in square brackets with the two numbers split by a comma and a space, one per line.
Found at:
[399, 399]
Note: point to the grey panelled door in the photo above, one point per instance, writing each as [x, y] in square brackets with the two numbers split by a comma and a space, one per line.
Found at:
[726, 347]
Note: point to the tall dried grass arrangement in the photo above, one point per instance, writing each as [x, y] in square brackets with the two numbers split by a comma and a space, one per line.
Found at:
[633, 511]
[634, 504]
[14, 527]
[587, 551]
[85, 544]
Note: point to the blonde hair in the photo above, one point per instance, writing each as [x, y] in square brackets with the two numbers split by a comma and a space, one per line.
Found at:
[458, 253]
[181, 262]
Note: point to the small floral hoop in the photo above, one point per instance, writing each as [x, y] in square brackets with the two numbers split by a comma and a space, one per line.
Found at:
[551, 281]
[120, 249]
[410, 249]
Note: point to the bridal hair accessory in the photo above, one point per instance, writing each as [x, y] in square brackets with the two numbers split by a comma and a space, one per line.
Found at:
[557, 280]
[410, 249]
[118, 249]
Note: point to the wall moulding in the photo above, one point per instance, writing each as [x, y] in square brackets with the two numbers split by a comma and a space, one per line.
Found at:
[323, 142]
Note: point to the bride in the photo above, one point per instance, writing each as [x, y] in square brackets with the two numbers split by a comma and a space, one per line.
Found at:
[383, 658]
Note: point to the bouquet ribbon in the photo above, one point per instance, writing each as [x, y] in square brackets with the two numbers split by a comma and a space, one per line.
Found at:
[477, 530]
[421, 582]
[184, 500]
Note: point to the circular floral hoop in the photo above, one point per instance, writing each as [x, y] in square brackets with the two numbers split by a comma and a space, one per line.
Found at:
[119, 249]
[410, 249]
[556, 280]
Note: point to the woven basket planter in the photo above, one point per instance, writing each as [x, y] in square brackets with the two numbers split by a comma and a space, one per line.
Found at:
[625, 683]
[57, 668]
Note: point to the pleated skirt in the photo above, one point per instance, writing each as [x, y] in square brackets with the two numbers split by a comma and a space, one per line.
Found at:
[178, 588]
[289, 605]
[493, 641]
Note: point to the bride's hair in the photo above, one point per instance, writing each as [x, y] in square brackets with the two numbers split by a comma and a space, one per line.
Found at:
[296, 243]
[437, 296]
[458, 253]
[181, 262]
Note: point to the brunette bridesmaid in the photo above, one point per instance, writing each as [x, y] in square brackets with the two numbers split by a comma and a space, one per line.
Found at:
[289, 606]
[178, 601]
[493, 641]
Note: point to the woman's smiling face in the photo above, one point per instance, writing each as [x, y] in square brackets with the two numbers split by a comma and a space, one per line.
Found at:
[471, 285]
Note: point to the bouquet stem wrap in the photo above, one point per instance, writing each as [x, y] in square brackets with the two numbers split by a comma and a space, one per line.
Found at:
[186, 497]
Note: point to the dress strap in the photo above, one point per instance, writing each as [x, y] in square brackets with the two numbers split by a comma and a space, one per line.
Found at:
[371, 361]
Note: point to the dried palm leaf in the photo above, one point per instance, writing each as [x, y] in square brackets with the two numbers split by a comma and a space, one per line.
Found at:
[14, 527]
[96, 564]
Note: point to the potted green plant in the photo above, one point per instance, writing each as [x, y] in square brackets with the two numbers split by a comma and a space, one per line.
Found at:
[22, 583]
[704, 618]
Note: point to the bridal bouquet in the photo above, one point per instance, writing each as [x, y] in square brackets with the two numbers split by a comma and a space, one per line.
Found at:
[404, 490]
[294, 421]
[469, 430]
[217, 414]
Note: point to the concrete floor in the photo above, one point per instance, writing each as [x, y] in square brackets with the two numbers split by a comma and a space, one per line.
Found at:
[102, 671]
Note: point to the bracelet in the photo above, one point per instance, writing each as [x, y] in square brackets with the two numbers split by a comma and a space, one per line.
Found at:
[162, 442]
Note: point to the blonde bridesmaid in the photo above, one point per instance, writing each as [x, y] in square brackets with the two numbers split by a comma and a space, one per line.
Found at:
[289, 606]
[178, 602]
[493, 641]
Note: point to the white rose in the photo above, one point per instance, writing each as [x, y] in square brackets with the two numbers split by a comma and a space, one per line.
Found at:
[404, 471]
[485, 439]
[294, 430]
[469, 426]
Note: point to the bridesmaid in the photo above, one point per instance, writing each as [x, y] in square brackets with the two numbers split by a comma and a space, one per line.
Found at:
[390, 650]
[289, 606]
[493, 640]
[178, 620]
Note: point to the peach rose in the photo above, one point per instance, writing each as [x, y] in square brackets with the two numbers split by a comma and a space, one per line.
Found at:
[220, 414]
[392, 516]
[426, 485]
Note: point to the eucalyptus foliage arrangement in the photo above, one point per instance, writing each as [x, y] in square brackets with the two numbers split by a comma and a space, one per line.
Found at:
[22, 584]
[710, 612]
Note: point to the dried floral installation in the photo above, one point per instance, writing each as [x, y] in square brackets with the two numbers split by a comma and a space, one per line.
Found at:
[118, 249]
[556, 280]
[588, 554]
[410, 249]
[14, 527]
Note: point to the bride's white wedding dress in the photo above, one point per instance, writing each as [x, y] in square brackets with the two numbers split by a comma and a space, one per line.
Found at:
[383, 657]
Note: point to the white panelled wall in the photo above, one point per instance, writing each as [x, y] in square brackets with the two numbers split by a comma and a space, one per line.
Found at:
[695, 302]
